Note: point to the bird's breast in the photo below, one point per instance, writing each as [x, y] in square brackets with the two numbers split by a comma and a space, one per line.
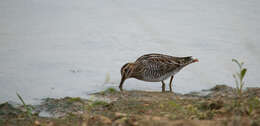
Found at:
[155, 76]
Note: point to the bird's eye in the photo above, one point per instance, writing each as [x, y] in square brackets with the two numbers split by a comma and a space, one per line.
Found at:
[125, 70]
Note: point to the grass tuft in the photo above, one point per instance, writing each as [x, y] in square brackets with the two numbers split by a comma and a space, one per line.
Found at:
[109, 91]
[72, 100]
[28, 109]
[99, 103]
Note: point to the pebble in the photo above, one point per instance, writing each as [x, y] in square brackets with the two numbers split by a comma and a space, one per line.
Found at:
[119, 115]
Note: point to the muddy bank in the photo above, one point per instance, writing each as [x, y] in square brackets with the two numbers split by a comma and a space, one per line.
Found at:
[218, 106]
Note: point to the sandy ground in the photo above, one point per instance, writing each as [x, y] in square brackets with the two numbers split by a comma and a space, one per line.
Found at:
[218, 106]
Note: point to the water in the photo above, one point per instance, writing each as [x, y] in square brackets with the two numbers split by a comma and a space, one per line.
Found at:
[72, 48]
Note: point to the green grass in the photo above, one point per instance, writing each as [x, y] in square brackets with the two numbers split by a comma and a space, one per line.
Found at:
[252, 105]
[109, 91]
[239, 77]
[76, 99]
[28, 109]
[99, 103]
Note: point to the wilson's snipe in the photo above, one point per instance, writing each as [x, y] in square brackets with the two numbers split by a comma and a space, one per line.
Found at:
[155, 68]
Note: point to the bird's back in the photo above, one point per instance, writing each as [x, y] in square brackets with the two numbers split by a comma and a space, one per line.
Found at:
[156, 67]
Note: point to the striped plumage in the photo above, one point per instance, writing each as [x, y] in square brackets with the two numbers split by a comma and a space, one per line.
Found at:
[154, 68]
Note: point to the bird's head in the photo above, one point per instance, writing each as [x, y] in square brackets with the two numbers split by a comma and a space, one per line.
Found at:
[192, 59]
[126, 72]
[188, 60]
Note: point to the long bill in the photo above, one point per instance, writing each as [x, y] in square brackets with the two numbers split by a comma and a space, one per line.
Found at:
[121, 83]
[195, 60]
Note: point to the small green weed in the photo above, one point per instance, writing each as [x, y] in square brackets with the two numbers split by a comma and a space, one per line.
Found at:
[252, 105]
[239, 77]
[72, 100]
[109, 91]
[175, 105]
[99, 103]
[28, 109]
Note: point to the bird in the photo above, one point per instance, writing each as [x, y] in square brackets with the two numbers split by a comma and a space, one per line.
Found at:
[154, 67]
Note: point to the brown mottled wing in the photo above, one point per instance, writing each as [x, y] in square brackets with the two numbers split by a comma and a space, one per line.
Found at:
[148, 56]
[159, 62]
[160, 57]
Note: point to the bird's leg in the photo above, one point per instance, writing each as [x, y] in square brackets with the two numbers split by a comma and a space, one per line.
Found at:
[170, 84]
[121, 86]
[163, 86]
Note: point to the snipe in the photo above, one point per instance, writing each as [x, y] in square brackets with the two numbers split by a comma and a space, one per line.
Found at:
[155, 68]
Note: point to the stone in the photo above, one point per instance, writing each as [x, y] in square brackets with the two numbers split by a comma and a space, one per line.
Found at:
[104, 120]
[37, 123]
[120, 115]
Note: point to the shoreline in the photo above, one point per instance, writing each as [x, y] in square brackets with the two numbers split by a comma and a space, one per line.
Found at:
[218, 105]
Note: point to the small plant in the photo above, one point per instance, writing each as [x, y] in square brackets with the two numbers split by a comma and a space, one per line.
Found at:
[75, 99]
[109, 91]
[99, 103]
[239, 77]
[28, 109]
[252, 104]
[175, 105]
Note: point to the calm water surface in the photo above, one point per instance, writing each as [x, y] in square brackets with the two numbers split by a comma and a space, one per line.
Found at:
[72, 48]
